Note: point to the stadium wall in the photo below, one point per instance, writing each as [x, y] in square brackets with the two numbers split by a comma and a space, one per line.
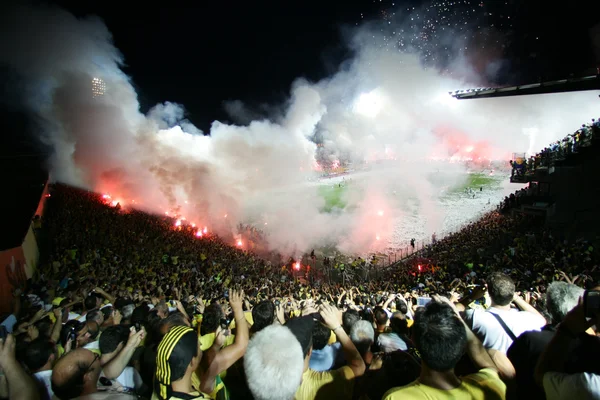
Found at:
[20, 263]
[12, 275]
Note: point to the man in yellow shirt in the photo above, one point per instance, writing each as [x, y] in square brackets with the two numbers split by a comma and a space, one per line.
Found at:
[442, 337]
[336, 384]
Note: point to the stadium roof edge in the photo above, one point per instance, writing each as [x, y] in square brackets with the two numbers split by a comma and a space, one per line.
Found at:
[591, 82]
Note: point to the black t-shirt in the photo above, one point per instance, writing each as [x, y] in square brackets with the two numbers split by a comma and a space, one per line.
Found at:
[524, 353]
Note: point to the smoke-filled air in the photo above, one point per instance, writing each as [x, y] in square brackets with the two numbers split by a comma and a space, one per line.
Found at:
[386, 115]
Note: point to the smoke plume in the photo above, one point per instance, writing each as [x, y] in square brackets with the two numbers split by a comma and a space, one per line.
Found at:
[381, 105]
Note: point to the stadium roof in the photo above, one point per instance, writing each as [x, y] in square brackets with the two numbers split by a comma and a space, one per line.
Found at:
[564, 85]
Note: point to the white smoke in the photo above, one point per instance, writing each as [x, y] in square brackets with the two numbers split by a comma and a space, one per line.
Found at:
[381, 103]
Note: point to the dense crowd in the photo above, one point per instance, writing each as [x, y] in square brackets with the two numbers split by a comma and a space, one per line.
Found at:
[559, 150]
[126, 305]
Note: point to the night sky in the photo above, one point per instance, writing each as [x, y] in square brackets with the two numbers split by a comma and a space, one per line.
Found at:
[205, 54]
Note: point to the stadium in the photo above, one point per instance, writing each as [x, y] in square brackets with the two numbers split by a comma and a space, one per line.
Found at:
[385, 229]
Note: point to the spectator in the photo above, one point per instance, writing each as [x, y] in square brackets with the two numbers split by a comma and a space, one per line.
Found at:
[274, 364]
[323, 356]
[38, 357]
[441, 338]
[499, 325]
[263, 315]
[551, 372]
[14, 381]
[362, 335]
[524, 353]
[329, 384]
[396, 339]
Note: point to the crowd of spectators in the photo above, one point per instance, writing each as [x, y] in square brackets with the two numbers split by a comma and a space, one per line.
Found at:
[125, 305]
[559, 150]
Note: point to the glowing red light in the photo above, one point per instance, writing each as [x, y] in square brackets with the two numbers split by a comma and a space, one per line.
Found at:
[205, 230]
[178, 222]
[297, 266]
[193, 225]
[239, 243]
[419, 266]
[199, 233]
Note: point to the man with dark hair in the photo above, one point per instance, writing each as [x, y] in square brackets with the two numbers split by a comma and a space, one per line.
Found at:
[92, 302]
[263, 315]
[442, 337]
[211, 321]
[118, 344]
[112, 337]
[498, 326]
[326, 384]
[38, 358]
[211, 318]
[396, 339]
[323, 356]
[381, 320]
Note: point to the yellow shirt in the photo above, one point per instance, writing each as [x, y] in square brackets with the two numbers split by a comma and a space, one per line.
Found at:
[336, 384]
[249, 319]
[484, 384]
[207, 340]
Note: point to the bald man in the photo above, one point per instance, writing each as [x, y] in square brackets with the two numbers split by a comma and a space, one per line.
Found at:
[76, 374]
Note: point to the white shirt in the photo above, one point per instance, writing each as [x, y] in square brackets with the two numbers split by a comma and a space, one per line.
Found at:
[45, 380]
[571, 386]
[95, 345]
[490, 332]
[73, 316]
[129, 378]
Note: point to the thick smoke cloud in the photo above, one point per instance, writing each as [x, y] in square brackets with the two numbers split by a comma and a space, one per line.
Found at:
[381, 105]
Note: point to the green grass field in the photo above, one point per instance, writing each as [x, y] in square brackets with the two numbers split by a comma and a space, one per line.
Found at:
[477, 180]
[334, 197]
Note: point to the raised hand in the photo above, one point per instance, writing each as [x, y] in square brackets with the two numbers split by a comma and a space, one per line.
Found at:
[236, 298]
[332, 316]
[135, 337]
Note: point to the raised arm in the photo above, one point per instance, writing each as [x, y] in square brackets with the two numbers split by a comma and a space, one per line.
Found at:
[525, 306]
[475, 350]
[20, 384]
[333, 319]
[230, 354]
[114, 366]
